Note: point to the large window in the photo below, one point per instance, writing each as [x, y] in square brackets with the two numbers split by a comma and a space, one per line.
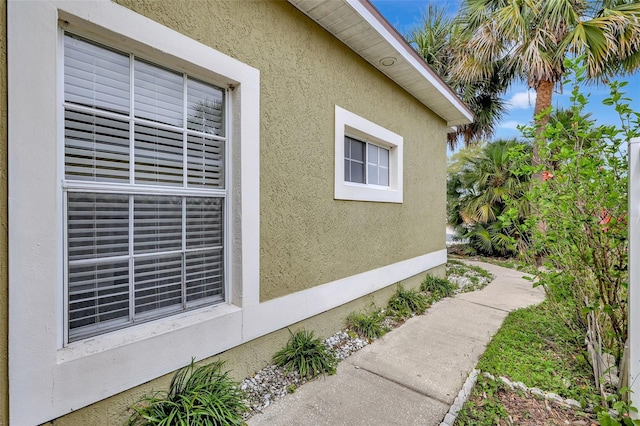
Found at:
[145, 190]
[122, 148]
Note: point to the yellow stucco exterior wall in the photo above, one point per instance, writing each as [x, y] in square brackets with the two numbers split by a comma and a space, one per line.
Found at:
[4, 252]
[307, 238]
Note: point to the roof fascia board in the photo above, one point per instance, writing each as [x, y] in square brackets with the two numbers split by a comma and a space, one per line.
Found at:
[368, 12]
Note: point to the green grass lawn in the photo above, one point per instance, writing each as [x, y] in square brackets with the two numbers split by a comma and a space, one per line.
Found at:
[534, 346]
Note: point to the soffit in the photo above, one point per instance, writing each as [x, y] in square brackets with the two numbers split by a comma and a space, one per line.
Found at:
[361, 27]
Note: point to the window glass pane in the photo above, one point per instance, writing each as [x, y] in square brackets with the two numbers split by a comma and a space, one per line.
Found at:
[372, 153]
[157, 223]
[205, 162]
[357, 172]
[204, 222]
[158, 285]
[158, 94]
[356, 150]
[372, 174]
[354, 160]
[96, 148]
[97, 225]
[205, 108]
[204, 275]
[158, 156]
[383, 155]
[383, 175]
[95, 76]
[98, 298]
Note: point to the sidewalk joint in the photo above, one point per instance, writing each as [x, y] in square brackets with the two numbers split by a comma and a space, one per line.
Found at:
[487, 306]
[411, 388]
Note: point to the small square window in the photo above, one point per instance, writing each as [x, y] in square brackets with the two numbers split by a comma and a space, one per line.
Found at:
[368, 160]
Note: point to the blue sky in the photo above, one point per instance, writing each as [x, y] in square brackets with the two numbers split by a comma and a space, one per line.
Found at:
[405, 15]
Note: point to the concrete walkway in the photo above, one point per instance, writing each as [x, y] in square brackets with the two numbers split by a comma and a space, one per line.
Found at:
[412, 375]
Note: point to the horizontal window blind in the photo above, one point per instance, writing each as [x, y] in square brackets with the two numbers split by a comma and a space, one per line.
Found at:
[96, 148]
[95, 76]
[144, 153]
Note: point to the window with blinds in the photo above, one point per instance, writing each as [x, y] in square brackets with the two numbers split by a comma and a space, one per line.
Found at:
[145, 190]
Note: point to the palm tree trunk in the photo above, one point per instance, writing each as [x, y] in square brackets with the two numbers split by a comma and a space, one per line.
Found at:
[544, 92]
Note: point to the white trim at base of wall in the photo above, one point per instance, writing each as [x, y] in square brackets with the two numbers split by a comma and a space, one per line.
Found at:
[284, 311]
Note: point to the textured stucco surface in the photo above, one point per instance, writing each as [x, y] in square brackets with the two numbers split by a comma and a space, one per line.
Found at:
[241, 361]
[4, 253]
[308, 238]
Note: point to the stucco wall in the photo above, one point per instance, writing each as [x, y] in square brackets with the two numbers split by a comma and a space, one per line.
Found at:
[4, 278]
[307, 237]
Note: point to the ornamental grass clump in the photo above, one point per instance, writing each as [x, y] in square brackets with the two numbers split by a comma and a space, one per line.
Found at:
[197, 396]
[368, 325]
[437, 287]
[306, 354]
[405, 303]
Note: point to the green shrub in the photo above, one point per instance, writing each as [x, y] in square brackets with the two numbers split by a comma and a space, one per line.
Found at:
[306, 354]
[620, 415]
[197, 396]
[367, 325]
[438, 287]
[404, 303]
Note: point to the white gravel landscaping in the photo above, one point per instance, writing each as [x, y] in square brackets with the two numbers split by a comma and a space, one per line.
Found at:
[272, 382]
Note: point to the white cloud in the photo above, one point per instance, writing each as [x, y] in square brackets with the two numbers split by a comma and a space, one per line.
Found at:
[511, 124]
[522, 100]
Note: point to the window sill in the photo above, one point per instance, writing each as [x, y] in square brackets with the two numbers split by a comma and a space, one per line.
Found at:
[157, 329]
[363, 192]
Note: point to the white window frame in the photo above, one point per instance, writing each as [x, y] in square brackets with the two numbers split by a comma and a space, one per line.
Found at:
[131, 188]
[48, 379]
[357, 127]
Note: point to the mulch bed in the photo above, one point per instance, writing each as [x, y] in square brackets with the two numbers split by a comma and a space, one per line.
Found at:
[528, 410]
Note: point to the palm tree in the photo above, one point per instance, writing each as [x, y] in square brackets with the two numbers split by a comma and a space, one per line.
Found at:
[435, 40]
[481, 187]
[531, 39]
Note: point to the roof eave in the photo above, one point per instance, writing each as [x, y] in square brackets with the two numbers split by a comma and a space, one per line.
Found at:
[375, 40]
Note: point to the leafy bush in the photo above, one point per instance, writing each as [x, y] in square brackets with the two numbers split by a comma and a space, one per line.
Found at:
[481, 186]
[579, 212]
[404, 303]
[621, 413]
[367, 325]
[306, 354]
[197, 396]
[438, 287]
